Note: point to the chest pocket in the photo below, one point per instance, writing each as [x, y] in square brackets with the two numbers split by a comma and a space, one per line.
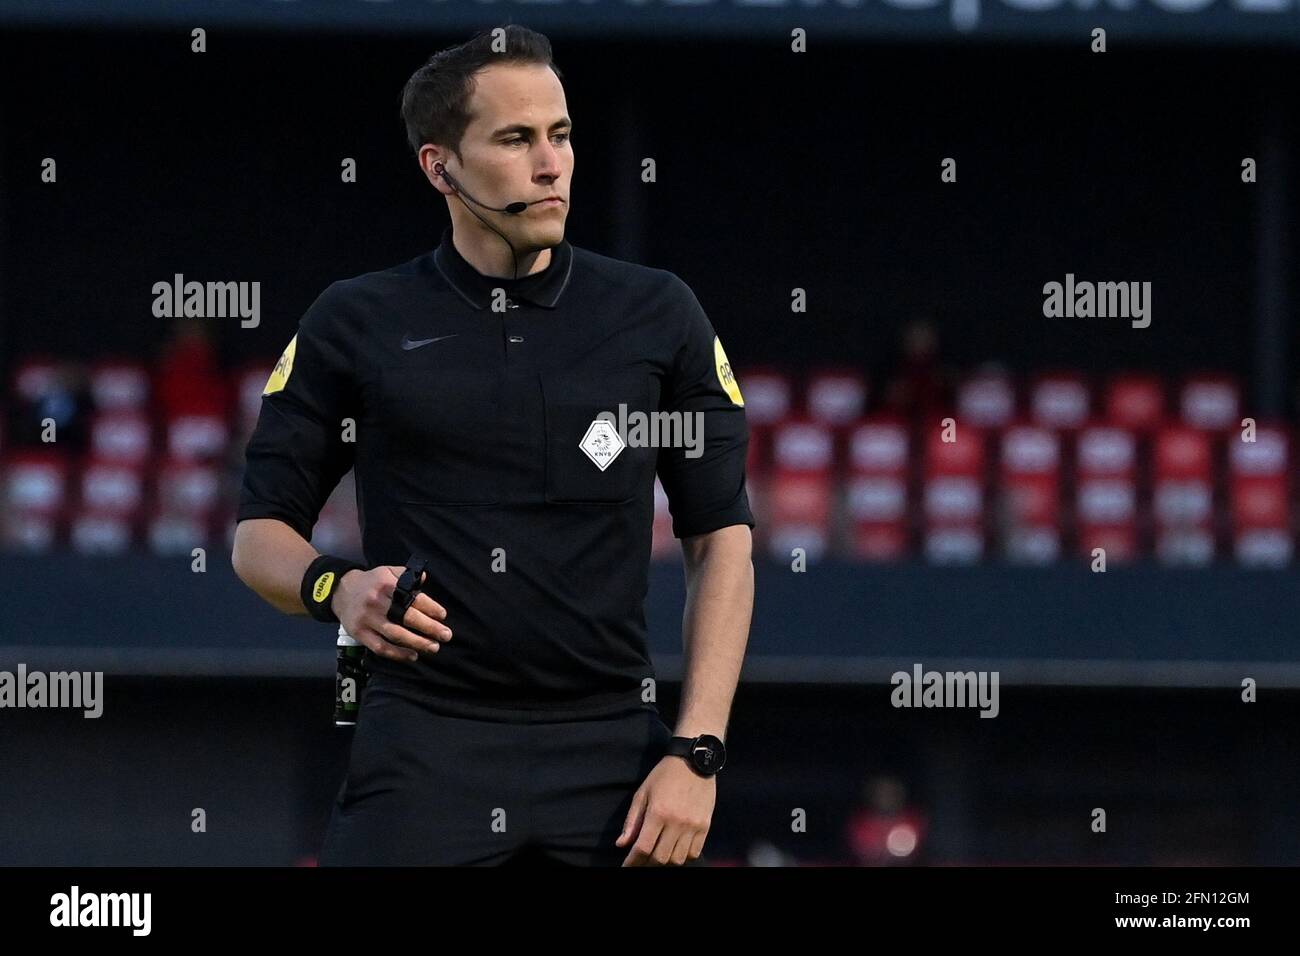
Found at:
[441, 433]
[576, 442]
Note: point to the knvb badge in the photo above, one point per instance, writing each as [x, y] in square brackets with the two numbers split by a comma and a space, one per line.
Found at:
[602, 443]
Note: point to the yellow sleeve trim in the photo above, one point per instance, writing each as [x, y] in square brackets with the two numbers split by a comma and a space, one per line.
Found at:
[726, 377]
[283, 368]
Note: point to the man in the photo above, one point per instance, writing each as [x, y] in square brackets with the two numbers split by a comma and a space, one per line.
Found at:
[478, 392]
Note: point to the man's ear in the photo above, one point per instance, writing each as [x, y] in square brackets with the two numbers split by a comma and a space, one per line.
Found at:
[431, 169]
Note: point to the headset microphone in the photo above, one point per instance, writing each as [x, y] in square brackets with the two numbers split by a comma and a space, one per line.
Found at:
[513, 209]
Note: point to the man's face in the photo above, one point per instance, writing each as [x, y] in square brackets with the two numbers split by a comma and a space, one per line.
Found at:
[516, 148]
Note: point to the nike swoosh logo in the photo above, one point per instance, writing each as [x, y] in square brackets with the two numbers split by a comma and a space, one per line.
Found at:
[409, 343]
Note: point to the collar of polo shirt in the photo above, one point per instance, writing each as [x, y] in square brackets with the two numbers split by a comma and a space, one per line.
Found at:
[542, 288]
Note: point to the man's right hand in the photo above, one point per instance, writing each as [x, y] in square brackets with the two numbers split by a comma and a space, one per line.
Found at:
[361, 602]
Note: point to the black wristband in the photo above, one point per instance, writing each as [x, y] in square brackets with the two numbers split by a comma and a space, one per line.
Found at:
[318, 584]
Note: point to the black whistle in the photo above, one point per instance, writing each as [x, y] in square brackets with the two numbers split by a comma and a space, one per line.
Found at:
[408, 588]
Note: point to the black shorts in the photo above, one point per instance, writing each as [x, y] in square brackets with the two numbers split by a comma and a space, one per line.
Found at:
[425, 788]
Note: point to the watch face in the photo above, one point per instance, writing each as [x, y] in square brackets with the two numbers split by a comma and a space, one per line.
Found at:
[708, 754]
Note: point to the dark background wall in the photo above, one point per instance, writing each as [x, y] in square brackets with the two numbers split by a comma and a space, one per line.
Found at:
[1187, 778]
[775, 171]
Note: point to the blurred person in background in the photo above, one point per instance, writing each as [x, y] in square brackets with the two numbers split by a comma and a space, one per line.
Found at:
[65, 400]
[190, 381]
[885, 830]
[918, 387]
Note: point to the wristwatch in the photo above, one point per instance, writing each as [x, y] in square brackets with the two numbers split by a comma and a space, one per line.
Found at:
[706, 753]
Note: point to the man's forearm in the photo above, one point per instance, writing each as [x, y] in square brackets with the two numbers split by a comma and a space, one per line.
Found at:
[271, 558]
[715, 626]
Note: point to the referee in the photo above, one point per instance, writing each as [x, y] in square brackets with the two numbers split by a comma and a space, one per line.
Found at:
[491, 396]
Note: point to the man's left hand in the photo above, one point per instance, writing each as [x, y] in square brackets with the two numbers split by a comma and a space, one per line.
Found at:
[670, 816]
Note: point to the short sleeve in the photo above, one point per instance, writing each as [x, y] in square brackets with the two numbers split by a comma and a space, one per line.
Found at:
[297, 454]
[705, 485]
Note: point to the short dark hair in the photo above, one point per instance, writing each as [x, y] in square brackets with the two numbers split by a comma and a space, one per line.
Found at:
[435, 100]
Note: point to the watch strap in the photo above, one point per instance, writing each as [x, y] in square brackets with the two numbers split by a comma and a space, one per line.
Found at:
[680, 746]
[685, 747]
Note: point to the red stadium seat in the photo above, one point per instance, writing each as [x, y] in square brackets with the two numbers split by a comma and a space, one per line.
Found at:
[1182, 503]
[877, 490]
[197, 437]
[1136, 402]
[1211, 402]
[954, 544]
[1181, 453]
[1119, 542]
[802, 445]
[1060, 400]
[33, 498]
[784, 539]
[1263, 548]
[1106, 476]
[877, 499]
[1267, 456]
[35, 482]
[1259, 488]
[1261, 503]
[1183, 490]
[767, 402]
[187, 488]
[29, 531]
[33, 377]
[1033, 544]
[801, 498]
[836, 397]
[767, 396]
[986, 399]
[119, 384]
[97, 532]
[175, 534]
[1030, 450]
[122, 436]
[964, 455]
[248, 385]
[1185, 546]
[1106, 451]
[954, 499]
[801, 504]
[1030, 489]
[879, 542]
[880, 445]
[111, 487]
[953, 503]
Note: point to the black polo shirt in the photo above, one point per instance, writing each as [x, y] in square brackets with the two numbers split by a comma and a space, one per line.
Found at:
[468, 406]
